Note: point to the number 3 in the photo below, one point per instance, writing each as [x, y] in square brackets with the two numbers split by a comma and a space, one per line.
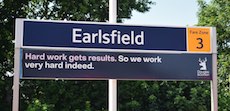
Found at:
[200, 42]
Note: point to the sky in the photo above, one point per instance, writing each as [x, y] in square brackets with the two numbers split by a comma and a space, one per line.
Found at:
[168, 13]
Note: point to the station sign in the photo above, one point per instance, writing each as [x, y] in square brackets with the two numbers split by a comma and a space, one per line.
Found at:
[88, 50]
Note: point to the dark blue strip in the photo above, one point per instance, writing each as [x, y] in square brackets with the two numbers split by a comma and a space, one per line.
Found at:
[169, 67]
[60, 35]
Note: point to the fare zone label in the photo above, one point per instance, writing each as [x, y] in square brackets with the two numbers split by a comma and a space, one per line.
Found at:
[199, 40]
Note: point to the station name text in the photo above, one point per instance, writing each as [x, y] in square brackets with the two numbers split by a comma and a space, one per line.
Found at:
[113, 37]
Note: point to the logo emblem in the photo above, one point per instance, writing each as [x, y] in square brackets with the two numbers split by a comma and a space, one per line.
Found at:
[203, 72]
[203, 65]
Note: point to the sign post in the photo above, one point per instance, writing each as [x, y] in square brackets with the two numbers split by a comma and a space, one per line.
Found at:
[112, 82]
[18, 44]
[213, 82]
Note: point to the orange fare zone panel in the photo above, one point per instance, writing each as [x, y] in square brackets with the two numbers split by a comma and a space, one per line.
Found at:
[199, 40]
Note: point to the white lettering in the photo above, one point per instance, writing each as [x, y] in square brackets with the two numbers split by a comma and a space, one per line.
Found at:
[139, 40]
[34, 65]
[75, 36]
[113, 37]
[106, 39]
[86, 38]
[30, 56]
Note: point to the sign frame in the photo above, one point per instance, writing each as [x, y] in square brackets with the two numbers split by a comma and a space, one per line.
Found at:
[19, 45]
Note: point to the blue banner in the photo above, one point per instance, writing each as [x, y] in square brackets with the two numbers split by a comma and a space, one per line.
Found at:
[107, 36]
[115, 65]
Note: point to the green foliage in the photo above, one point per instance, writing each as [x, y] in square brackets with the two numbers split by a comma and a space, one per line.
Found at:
[224, 82]
[164, 96]
[36, 105]
[217, 14]
[9, 10]
[87, 106]
[66, 95]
